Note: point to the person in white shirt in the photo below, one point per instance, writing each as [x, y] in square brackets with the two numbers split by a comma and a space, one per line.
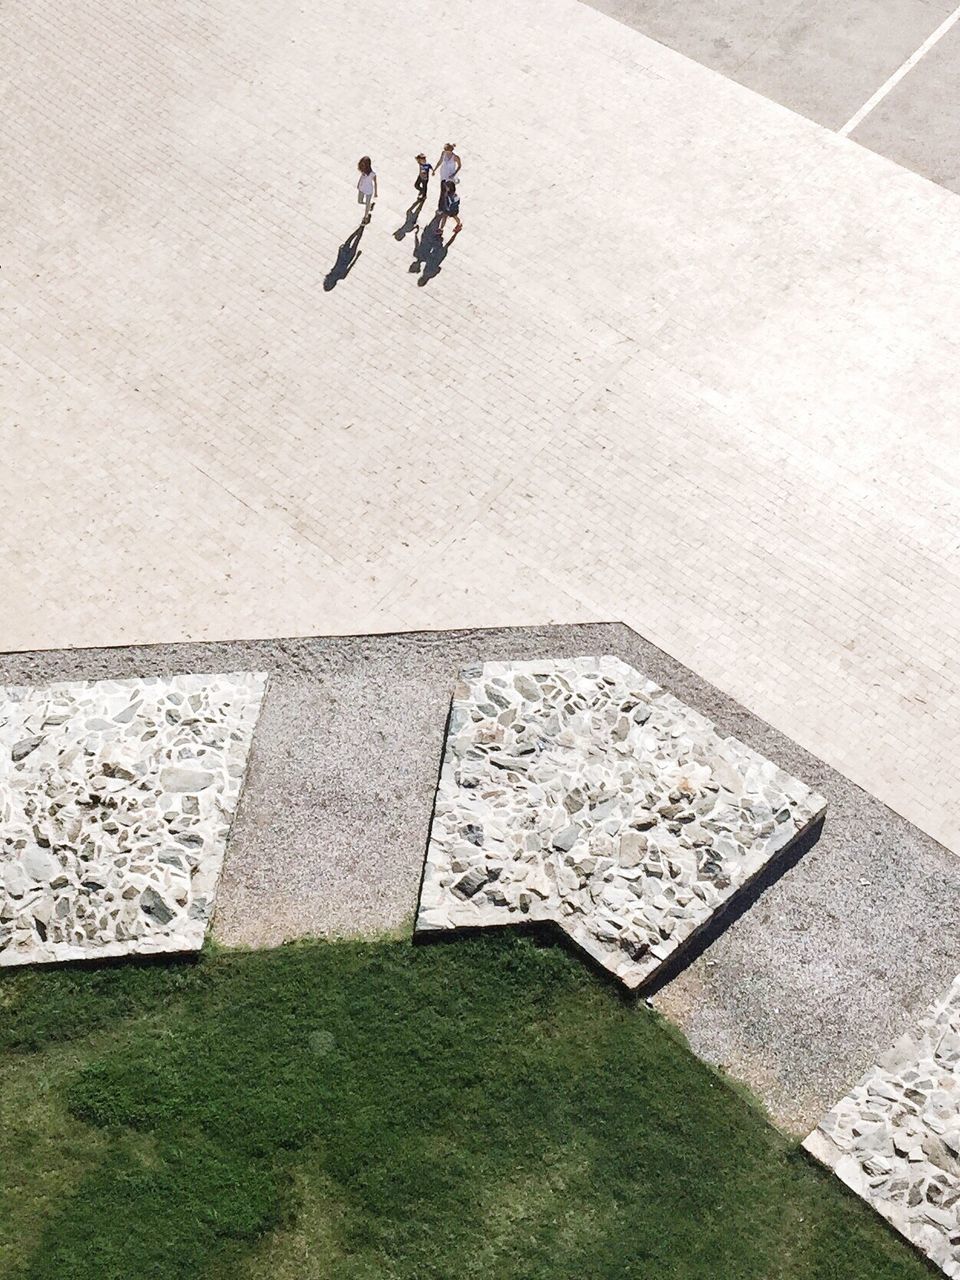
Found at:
[448, 166]
[366, 186]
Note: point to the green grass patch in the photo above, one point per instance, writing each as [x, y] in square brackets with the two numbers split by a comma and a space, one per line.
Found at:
[350, 1111]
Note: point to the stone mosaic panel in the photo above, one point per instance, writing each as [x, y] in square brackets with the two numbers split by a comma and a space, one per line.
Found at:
[580, 792]
[116, 798]
[895, 1138]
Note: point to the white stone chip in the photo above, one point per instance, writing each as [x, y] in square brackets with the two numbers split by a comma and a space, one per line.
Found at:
[895, 1138]
[116, 798]
[580, 792]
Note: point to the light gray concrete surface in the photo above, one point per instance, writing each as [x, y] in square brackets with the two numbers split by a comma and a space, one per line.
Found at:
[918, 122]
[796, 997]
[821, 59]
[724, 414]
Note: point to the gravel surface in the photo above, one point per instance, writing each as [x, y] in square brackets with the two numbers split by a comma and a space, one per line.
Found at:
[795, 997]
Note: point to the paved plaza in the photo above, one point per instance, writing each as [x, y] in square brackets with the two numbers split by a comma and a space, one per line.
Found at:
[691, 363]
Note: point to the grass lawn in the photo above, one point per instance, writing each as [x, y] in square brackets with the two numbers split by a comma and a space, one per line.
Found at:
[387, 1112]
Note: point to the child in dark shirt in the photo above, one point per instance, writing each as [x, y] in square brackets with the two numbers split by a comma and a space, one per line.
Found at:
[423, 176]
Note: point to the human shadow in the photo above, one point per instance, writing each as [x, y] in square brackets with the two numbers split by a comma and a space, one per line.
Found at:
[347, 256]
[429, 252]
[412, 219]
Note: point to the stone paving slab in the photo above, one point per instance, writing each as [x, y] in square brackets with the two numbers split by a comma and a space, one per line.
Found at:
[689, 363]
[116, 798]
[796, 997]
[895, 1138]
[580, 793]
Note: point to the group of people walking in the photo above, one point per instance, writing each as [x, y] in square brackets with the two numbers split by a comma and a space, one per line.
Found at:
[447, 170]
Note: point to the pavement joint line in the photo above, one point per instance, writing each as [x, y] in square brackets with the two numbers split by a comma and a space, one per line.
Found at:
[859, 116]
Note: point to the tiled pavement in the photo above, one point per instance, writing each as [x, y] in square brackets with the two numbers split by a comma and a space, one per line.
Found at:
[691, 363]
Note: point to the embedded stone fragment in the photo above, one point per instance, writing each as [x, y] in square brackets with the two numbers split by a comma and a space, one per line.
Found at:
[20, 750]
[39, 865]
[14, 879]
[470, 884]
[186, 779]
[152, 904]
[580, 792]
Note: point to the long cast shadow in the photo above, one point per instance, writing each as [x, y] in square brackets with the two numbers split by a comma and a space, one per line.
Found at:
[347, 256]
[429, 252]
[412, 218]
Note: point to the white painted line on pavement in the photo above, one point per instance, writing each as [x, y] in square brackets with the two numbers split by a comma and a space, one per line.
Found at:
[900, 72]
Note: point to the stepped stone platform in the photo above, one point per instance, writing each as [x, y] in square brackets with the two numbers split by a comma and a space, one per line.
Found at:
[116, 798]
[583, 794]
[895, 1138]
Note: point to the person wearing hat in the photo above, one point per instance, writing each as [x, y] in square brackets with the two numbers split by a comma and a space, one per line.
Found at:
[423, 175]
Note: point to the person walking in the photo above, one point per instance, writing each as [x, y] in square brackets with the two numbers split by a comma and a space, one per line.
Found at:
[366, 186]
[424, 171]
[449, 164]
[449, 207]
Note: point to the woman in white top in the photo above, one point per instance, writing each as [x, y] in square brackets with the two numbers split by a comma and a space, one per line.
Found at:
[366, 186]
[448, 166]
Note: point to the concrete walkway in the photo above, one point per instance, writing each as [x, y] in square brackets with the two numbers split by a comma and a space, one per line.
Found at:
[690, 364]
